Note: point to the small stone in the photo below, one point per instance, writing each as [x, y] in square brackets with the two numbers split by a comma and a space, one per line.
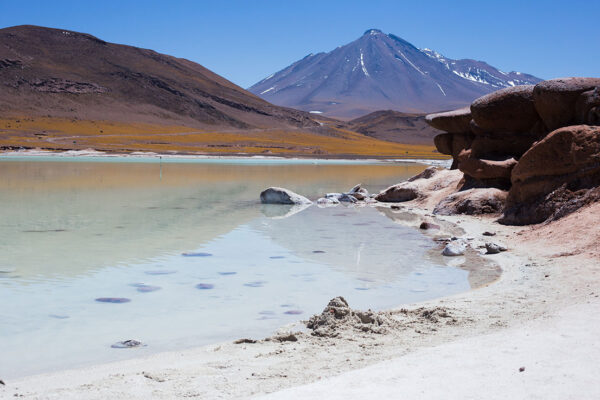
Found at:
[244, 340]
[454, 249]
[428, 225]
[127, 344]
[494, 248]
[290, 337]
[486, 233]
[521, 369]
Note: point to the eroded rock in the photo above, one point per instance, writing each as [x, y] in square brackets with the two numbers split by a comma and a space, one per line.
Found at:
[473, 202]
[555, 100]
[509, 110]
[456, 121]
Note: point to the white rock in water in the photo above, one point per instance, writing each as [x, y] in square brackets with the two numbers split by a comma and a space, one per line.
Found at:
[359, 192]
[328, 201]
[454, 249]
[277, 195]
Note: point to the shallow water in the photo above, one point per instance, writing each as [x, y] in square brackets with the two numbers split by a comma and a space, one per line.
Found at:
[182, 254]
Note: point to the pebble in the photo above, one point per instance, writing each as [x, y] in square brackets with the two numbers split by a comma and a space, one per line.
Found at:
[494, 248]
[127, 344]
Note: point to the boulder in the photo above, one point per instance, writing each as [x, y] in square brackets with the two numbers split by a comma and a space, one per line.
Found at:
[509, 110]
[404, 191]
[587, 108]
[490, 146]
[456, 121]
[443, 143]
[569, 155]
[485, 169]
[472, 202]
[277, 195]
[555, 100]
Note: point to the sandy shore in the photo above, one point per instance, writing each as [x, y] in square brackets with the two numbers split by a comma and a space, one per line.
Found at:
[541, 315]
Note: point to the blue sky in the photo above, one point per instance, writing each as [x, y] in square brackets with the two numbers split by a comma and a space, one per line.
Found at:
[246, 41]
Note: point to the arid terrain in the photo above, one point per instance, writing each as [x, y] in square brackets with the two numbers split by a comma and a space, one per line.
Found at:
[65, 90]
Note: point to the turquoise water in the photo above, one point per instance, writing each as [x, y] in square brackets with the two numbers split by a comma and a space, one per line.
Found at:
[195, 256]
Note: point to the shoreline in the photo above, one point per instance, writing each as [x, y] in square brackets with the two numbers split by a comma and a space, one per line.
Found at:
[546, 282]
[154, 157]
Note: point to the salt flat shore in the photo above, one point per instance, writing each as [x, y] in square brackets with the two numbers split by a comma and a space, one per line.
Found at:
[87, 154]
[530, 334]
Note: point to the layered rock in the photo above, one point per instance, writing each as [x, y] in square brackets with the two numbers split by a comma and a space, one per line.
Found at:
[527, 139]
[509, 110]
[568, 158]
[555, 100]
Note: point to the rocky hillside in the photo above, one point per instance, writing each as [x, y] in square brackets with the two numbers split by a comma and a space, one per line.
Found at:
[395, 126]
[538, 145]
[378, 72]
[58, 73]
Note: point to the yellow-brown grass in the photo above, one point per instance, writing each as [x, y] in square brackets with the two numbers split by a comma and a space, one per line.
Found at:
[62, 134]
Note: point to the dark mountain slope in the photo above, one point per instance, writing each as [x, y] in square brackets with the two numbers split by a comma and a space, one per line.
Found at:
[59, 73]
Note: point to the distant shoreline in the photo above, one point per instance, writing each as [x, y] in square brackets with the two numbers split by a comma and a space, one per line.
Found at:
[153, 157]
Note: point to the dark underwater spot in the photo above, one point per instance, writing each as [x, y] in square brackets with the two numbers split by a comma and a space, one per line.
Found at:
[293, 312]
[147, 288]
[115, 300]
[58, 316]
[276, 257]
[227, 273]
[196, 254]
[318, 252]
[255, 284]
[361, 288]
[160, 272]
[205, 286]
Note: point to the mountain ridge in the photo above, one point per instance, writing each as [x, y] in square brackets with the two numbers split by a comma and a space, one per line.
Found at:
[382, 71]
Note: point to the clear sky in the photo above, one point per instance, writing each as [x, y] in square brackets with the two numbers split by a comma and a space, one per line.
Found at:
[247, 40]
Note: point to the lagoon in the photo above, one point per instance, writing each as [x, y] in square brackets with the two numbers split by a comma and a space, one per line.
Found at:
[195, 256]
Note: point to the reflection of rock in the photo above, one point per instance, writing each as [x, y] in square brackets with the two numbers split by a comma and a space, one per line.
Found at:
[279, 211]
[277, 195]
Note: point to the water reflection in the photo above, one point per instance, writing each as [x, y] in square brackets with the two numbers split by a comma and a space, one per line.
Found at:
[97, 253]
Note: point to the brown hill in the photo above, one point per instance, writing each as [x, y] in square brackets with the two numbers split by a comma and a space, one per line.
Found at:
[395, 126]
[59, 73]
